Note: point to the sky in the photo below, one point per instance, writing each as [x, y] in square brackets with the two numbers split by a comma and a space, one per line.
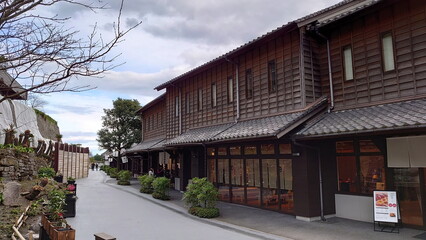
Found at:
[175, 36]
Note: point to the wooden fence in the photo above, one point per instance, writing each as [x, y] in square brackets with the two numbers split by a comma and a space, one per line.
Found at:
[71, 160]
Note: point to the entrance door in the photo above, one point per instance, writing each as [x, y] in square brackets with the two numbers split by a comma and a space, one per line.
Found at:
[408, 185]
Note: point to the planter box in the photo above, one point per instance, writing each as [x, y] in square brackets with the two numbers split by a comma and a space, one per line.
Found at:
[69, 208]
[63, 234]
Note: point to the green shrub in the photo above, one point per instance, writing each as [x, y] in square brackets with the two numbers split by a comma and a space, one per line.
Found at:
[113, 172]
[204, 212]
[201, 193]
[146, 183]
[161, 188]
[46, 172]
[124, 177]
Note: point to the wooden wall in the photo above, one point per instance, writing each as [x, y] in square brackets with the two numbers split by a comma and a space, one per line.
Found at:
[283, 49]
[154, 121]
[407, 22]
[71, 161]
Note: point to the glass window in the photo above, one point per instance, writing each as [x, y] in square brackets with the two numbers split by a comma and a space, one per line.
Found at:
[187, 102]
[347, 174]
[249, 84]
[214, 96]
[269, 183]
[286, 185]
[177, 106]
[372, 173]
[285, 148]
[250, 150]
[388, 52]
[272, 76]
[223, 179]
[222, 151]
[345, 147]
[253, 182]
[237, 180]
[210, 151]
[368, 146]
[267, 148]
[235, 150]
[230, 90]
[200, 99]
[211, 170]
[348, 63]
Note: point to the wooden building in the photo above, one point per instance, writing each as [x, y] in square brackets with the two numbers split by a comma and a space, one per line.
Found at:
[310, 118]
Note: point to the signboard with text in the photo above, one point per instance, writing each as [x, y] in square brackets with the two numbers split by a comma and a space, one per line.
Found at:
[385, 206]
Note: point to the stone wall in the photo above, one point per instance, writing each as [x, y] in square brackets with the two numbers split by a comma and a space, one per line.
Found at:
[19, 166]
[47, 129]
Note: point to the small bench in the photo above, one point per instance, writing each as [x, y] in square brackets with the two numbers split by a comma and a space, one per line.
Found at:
[103, 236]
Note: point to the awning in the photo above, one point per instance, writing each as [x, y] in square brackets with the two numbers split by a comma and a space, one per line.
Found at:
[145, 146]
[386, 117]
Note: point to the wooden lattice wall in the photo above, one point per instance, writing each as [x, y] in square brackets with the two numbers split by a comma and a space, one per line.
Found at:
[71, 160]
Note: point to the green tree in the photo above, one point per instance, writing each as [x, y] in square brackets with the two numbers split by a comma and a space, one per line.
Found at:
[98, 158]
[121, 127]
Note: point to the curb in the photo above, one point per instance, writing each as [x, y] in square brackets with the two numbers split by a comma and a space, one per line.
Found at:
[228, 226]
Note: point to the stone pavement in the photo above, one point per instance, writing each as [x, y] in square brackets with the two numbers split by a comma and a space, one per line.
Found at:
[264, 224]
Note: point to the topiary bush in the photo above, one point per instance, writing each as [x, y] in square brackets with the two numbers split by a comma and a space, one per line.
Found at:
[146, 183]
[124, 177]
[46, 172]
[113, 172]
[201, 196]
[161, 188]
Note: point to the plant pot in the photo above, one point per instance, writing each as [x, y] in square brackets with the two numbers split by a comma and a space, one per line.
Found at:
[63, 233]
[71, 182]
[69, 208]
[59, 179]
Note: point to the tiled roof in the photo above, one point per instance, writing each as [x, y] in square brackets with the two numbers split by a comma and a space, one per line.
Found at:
[254, 128]
[156, 100]
[199, 135]
[144, 146]
[401, 115]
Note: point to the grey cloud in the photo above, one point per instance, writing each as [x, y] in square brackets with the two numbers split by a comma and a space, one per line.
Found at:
[85, 134]
[69, 108]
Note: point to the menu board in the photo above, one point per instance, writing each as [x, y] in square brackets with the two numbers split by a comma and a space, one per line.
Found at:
[385, 206]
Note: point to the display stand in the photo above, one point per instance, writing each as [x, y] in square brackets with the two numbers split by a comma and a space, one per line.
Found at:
[386, 211]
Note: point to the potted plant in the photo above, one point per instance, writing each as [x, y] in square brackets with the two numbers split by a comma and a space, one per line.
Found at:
[71, 180]
[161, 188]
[201, 197]
[59, 177]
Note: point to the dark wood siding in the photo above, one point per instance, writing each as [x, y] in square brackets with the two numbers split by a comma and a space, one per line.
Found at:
[312, 74]
[406, 20]
[154, 121]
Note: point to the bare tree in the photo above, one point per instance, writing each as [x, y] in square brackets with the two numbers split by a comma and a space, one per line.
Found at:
[41, 52]
[35, 101]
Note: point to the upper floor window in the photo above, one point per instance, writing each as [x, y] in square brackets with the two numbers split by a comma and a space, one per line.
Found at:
[388, 52]
[177, 106]
[187, 102]
[230, 90]
[249, 83]
[200, 99]
[214, 95]
[272, 76]
[348, 63]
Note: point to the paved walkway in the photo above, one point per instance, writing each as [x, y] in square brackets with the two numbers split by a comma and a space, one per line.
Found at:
[251, 222]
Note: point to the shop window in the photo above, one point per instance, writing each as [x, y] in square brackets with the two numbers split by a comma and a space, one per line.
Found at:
[347, 174]
[253, 182]
[267, 148]
[249, 84]
[223, 179]
[235, 150]
[237, 180]
[368, 146]
[348, 63]
[269, 183]
[388, 52]
[285, 148]
[222, 151]
[272, 76]
[345, 147]
[372, 173]
[210, 151]
[285, 172]
[250, 150]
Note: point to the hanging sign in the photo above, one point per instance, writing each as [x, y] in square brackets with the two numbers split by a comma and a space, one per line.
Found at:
[385, 206]
[124, 159]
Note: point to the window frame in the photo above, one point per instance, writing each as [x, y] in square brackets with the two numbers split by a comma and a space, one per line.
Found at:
[213, 97]
[176, 106]
[230, 89]
[382, 36]
[200, 99]
[344, 67]
[272, 76]
[187, 103]
[249, 83]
